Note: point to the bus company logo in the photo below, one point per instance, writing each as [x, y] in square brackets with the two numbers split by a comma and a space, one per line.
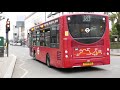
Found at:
[88, 51]
[87, 30]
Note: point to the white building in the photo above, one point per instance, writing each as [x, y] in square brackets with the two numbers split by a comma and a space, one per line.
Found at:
[15, 34]
[20, 26]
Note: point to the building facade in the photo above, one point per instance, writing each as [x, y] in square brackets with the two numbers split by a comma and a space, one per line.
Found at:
[15, 34]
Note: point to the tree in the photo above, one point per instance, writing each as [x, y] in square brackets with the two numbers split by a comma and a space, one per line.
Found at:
[115, 19]
[114, 30]
[112, 18]
[115, 16]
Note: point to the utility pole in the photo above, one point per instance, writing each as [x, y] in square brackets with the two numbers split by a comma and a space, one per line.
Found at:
[7, 30]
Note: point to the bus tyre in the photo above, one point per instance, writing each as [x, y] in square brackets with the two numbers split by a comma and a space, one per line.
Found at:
[34, 56]
[48, 61]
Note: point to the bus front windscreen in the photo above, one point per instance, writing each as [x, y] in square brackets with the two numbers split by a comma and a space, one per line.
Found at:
[86, 28]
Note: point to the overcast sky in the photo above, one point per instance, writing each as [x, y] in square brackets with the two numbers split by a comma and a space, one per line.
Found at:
[13, 17]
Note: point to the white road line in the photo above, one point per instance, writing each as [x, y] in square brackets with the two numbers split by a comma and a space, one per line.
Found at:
[23, 69]
[23, 62]
[20, 66]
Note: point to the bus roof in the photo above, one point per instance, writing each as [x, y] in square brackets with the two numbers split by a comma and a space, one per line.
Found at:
[69, 15]
[84, 13]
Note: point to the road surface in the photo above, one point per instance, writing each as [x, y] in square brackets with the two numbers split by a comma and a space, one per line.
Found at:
[26, 67]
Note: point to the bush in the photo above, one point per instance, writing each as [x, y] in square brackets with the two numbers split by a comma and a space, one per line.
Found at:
[115, 45]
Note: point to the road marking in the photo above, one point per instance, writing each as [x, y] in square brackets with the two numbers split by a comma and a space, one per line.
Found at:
[23, 69]
[20, 66]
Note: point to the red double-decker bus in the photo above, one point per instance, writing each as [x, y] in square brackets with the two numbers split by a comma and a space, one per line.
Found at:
[74, 40]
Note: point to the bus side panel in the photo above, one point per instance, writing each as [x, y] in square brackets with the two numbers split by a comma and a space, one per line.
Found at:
[66, 45]
[40, 54]
[56, 54]
[53, 58]
[52, 52]
[107, 43]
[60, 52]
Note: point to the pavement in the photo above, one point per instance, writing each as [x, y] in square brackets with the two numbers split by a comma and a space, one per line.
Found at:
[7, 66]
[115, 52]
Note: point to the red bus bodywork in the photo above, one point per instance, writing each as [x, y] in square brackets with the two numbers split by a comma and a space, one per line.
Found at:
[75, 54]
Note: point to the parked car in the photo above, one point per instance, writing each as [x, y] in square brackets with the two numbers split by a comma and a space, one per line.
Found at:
[11, 43]
[16, 44]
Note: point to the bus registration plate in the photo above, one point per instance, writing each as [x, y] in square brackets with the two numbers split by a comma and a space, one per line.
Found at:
[88, 64]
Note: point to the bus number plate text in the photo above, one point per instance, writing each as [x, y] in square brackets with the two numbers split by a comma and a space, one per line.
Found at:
[88, 64]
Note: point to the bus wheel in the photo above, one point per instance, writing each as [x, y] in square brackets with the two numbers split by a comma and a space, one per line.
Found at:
[34, 55]
[48, 61]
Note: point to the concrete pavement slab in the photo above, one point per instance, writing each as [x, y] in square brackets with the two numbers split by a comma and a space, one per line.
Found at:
[115, 54]
[7, 66]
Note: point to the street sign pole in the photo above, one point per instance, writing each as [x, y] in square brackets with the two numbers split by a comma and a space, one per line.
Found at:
[7, 40]
[7, 44]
